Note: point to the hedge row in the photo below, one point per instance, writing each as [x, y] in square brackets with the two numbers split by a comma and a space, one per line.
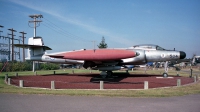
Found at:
[27, 66]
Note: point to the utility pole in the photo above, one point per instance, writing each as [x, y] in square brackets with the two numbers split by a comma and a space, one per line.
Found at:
[35, 21]
[36, 24]
[8, 45]
[93, 43]
[19, 51]
[23, 44]
[0, 30]
[12, 33]
[0, 38]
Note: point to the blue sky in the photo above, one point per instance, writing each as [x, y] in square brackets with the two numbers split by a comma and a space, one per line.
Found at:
[74, 24]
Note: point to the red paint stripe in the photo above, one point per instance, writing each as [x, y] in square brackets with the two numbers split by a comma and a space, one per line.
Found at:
[98, 55]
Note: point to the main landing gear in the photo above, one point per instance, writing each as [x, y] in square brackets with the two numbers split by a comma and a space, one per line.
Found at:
[106, 74]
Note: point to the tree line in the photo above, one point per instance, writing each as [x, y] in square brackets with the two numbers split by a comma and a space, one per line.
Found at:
[27, 66]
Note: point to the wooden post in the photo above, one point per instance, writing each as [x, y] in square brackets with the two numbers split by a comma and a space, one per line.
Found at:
[195, 78]
[190, 73]
[16, 74]
[146, 85]
[8, 81]
[101, 85]
[21, 83]
[52, 84]
[178, 82]
[6, 77]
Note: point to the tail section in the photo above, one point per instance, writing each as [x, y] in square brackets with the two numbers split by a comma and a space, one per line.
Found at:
[36, 48]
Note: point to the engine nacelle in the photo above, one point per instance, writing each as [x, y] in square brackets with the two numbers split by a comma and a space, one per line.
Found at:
[107, 68]
[140, 59]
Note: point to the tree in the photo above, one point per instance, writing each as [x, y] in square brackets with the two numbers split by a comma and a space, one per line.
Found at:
[102, 44]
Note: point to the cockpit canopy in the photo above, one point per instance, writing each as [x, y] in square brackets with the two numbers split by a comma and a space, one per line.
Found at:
[147, 47]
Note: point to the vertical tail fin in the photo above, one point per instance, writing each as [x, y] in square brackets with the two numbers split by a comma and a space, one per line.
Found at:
[35, 51]
[35, 48]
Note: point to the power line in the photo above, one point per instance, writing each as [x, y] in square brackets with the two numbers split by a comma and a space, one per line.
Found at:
[23, 44]
[12, 33]
[64, 31]
[60, 30]
[8, 52]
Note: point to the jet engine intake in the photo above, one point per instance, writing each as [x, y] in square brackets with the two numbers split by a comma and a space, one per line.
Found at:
[139, 59]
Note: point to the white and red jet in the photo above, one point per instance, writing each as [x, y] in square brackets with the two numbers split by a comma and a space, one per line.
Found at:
[105, 60]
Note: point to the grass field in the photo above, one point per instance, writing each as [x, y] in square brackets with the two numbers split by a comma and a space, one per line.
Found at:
[161, 92]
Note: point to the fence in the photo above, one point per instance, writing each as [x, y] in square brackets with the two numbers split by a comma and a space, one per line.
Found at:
[98, 85]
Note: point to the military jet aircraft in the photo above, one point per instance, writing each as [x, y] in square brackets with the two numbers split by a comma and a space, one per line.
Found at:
[104, 60]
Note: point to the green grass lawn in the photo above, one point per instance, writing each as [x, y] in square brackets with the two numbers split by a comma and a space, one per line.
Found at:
[161, 92]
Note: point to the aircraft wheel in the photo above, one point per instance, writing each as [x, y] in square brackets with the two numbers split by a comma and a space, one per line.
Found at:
[165, 75]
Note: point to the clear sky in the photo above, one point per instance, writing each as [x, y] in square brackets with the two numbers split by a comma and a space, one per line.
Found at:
[74, 24]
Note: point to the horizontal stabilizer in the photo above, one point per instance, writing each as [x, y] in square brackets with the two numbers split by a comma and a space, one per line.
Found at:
[56, 56]
[31, 46]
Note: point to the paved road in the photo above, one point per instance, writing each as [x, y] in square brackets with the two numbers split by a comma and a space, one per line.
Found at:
[51, 103]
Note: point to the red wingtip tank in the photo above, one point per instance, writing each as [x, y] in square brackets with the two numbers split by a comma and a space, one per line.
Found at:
[98, 54]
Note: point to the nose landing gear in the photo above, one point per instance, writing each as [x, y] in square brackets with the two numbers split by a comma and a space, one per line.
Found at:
[165, 74]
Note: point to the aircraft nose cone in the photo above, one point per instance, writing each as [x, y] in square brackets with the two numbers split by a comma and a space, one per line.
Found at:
[182, 55]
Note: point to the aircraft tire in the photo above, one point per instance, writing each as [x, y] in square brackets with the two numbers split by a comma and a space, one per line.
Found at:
[165, 75]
